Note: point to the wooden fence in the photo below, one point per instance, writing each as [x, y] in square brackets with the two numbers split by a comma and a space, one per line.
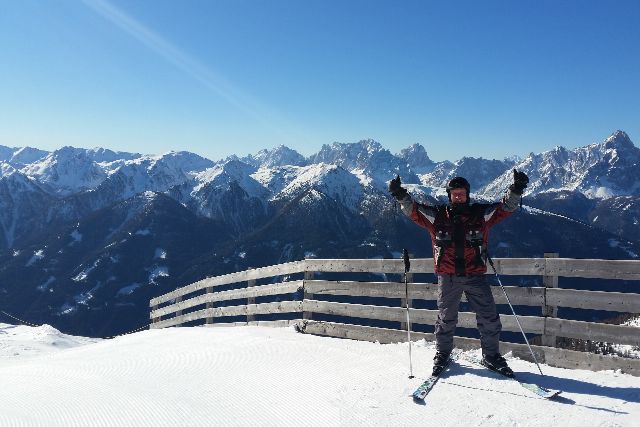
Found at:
[196, 304]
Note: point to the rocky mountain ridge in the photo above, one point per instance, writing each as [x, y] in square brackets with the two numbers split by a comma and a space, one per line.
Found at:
[89, 235]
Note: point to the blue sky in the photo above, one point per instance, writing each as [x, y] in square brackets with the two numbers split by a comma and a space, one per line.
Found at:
[221, 77]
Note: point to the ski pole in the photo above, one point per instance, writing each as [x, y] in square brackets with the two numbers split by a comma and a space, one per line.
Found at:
[514, 312]
[407, 266]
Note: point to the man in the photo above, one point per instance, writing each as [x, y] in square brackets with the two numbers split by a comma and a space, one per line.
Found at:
[459, 234]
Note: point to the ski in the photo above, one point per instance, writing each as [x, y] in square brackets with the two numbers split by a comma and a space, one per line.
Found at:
[534, 388]
[424, 388]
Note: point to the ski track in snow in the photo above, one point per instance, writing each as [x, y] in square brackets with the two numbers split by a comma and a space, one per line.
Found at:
[259, 376]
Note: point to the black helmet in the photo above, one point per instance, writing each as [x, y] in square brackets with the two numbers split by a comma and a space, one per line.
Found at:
[458, 182]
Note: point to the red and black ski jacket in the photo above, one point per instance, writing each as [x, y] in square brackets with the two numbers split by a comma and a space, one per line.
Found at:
[460, 233]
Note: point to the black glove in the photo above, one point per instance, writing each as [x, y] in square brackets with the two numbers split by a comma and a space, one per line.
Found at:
[520, 181]
[396, 189]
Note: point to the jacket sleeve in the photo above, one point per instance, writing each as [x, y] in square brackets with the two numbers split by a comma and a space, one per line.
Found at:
[496, 212]
[421, 214]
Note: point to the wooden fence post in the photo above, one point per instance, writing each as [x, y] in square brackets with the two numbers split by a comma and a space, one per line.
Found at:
[308, 275]
[549, 281]
[209, 305]
[251, 300]
[156, 319]
[179, 312]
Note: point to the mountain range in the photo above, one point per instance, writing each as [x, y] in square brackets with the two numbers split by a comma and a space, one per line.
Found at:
[88, 236]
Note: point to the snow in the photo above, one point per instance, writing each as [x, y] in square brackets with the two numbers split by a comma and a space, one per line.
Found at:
[600, 192]
[37, 256]
[43, 287]
[277, 178]
[76, 236]
[614, 243]
[67, 170]
[633, 322]
[67, 309]
[333, 181]
[625, 349]
[157, 271]
[84, 274]
[254, 375]
[6, 169]
[128, 290]
[21, 343]
[149, 196]
[25, 155]
[160, 253]
[84, 297]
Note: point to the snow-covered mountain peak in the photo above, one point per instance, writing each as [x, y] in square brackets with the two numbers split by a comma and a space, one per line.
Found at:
[351, 155]
[414, 150]
[67, 170]
[279, 156]
[222, 174]
[219, 178]
[331, 180]
[368, 159]
[618, 140]
[417, 158]
[25, 155]
[598, 171]
[370, 145]
[183, 162]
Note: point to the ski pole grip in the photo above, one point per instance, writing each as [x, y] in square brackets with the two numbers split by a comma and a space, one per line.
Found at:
[405, 257]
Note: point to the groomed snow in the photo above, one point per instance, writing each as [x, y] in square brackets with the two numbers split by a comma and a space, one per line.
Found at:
[258, 376]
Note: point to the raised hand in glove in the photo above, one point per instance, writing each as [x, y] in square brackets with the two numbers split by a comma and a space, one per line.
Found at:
[396, 189]
[520, 181]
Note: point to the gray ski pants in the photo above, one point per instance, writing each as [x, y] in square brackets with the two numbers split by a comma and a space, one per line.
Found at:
[479, 295]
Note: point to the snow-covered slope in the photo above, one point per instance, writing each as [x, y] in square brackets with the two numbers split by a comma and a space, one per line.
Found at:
[331, 180]
[67, 171]
[275, 376]
[23, 206]
[275, 179]
[25, 156]
[150, 173]
[20, 342]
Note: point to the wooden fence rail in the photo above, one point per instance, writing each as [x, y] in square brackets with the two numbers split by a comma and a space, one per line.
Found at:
[306, 296]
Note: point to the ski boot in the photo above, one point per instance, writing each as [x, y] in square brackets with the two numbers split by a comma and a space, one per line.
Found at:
[439, 362]
[498, 364]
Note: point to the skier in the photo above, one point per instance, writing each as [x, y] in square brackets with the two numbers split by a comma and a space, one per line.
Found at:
[459, 234]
